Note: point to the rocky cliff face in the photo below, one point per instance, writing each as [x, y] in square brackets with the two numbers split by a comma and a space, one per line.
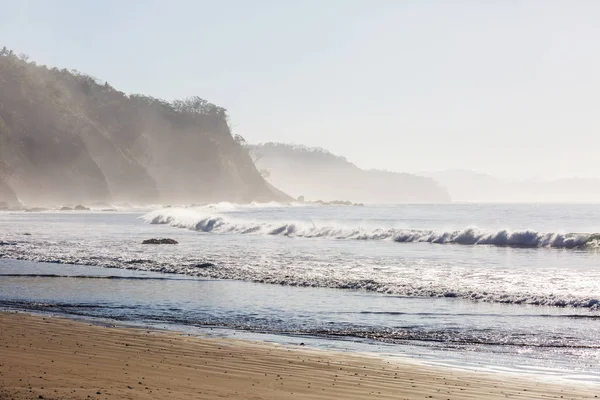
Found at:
[318, 174]
[8, 198]
[68, 138]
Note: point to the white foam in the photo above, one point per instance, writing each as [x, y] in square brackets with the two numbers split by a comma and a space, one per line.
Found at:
[239, 246]
[197, 219]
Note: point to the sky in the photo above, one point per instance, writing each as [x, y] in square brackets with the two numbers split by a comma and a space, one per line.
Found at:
[506, 87]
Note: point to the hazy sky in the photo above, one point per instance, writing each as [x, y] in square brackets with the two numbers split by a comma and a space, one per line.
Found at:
[506, 87]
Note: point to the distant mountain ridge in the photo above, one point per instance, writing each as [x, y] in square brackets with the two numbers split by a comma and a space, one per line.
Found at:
[317, 174]
[68, 138]
[470, 186]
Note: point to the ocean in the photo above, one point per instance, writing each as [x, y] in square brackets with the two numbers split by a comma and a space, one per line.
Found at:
[494, 287]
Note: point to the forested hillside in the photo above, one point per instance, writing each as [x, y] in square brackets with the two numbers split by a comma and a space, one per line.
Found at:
[67, 138]
[318, 174]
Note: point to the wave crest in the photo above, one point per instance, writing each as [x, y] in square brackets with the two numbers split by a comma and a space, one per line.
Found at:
[189, 219]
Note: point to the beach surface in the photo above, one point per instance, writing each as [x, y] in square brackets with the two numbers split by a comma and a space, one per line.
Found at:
[56, 358]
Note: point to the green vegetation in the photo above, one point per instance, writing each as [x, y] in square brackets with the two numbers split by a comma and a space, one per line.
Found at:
[71, 138]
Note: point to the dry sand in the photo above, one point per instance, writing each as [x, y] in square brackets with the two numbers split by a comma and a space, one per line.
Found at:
[55, 358]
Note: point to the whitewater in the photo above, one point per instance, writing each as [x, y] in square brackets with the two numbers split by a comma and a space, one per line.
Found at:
[195, 219]
[543, 255]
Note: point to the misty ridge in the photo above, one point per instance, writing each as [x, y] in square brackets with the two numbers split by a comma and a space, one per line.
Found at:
[317, 174]
[68, 138]
[469, 186]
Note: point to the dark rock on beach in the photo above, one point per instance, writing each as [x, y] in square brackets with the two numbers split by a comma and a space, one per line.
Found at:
[160, 241]
[138, 261]
[203, 265]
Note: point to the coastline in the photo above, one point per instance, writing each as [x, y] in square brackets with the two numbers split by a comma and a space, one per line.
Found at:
[58, 358]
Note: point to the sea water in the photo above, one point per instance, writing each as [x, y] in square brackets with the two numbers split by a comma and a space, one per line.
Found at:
[500, 287]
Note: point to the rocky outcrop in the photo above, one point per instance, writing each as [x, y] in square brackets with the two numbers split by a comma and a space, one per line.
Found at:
[160, 241]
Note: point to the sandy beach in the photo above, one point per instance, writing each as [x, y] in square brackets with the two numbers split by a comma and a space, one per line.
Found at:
[56, 358]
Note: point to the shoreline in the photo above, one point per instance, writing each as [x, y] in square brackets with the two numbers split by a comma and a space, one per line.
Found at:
[320, 344]
[59, 358]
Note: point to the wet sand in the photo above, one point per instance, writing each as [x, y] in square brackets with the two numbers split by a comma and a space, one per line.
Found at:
[56, 358]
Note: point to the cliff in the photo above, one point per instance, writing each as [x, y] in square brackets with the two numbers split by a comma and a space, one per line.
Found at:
[317, 174]
[66, 137]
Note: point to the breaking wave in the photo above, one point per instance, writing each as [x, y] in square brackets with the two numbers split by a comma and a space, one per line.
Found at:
[188, 219]
[553, 278]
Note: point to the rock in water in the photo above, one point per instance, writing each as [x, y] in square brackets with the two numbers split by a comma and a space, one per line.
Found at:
[81, 208]
[160, 241]
[203, 265]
